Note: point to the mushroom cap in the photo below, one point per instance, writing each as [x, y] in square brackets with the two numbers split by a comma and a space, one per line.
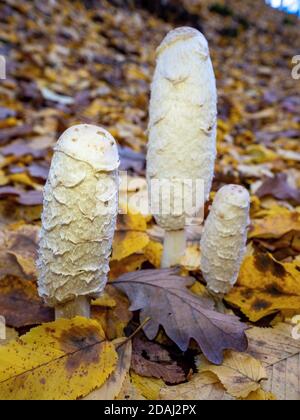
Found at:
[182, 34]
[233, 195]
[90, 144]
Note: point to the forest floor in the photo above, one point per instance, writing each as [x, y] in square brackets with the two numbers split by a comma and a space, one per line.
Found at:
[74, 62]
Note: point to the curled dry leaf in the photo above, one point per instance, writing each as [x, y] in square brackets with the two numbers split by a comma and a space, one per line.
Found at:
[56, 361]
[163, 296]
[240, 373]
[152, 360]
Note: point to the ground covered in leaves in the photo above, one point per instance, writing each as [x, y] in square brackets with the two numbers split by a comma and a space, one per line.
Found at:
[72, 62]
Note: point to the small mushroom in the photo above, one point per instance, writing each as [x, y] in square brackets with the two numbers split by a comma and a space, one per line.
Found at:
[78, 220]
[182, 133]
[223, 243]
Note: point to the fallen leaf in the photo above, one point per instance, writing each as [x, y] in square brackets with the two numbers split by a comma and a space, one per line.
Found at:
[153, 253]
[132, 161]
[18, 251]
[239, 373]
[191, 260]
[275, 225]
[128, 243]
[261, 395]
[148, 387]
[127, 265]
[10, 335]
[21, 305]
[163, 296]
[113, 386]
[31, 198]
[49, 95]
[129, 391]
[113, 319]
[152, 360]
[280, 354]
[265, 286]
[279, 188]
[56, 361]
[11, 133]
[203, 387]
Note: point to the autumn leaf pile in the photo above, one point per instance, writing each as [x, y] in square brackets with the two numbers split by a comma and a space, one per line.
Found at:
[70, 62]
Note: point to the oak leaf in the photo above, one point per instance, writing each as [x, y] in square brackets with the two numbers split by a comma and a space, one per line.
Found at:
[163, 296]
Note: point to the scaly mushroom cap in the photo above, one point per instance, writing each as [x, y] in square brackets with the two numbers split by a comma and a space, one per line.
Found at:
[79, 215]
[182, 125]
[90, 144]
[223, 243]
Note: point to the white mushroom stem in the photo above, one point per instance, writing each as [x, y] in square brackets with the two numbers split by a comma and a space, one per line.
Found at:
[78, 307]
[223, 243]
[78, 220]
[182, 131]
[174, 248]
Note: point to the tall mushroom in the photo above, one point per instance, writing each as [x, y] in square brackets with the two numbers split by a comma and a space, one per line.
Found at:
[78, 220]
[182, 132]
[223, 243]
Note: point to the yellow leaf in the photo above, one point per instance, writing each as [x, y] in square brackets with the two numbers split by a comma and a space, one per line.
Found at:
[266, 286]
[129, 391]
[65, 359]
[261, 395]
[153, 253]
[240, 373]
[22, 178]
[105, 300]
[114, 319]
[259, 154]
[275, 224]
[131, 220]
[148, 387]
[202, 386]
[113, 386]
[127, 265]
[10, 335]
[191, 259]
[128, 243]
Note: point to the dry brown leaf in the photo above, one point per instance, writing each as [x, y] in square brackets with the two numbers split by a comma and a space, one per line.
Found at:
[280, 354]
[162, 295]
[21, 305]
